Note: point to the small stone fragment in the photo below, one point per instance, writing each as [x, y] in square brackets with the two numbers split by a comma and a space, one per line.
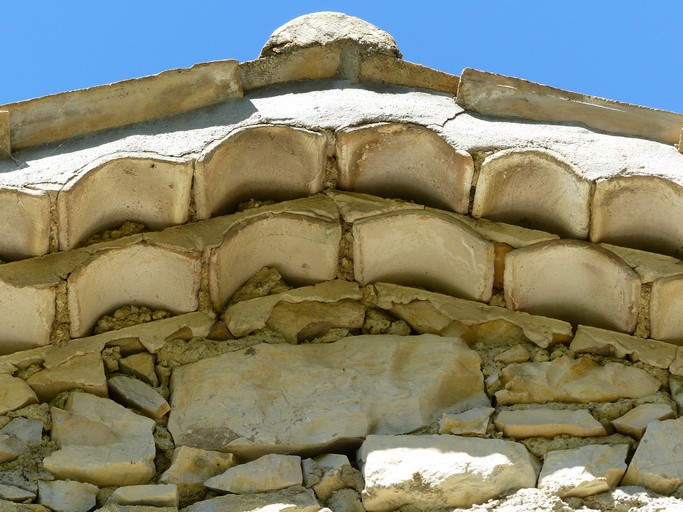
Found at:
[516, 354]
[184, 333]
[583, 471]
[634, 422]
[268, 473]
[521, 424]
[141, 366]
[345, 500]
[67, 496]
[11, 447]
[27, 430]
[14, 393]
[84, 372]
[16, 494]
[164, 495]
[190, 467]
[337, 474]
[139, 395]
[472, 422]
[219, 332]
[294, 499]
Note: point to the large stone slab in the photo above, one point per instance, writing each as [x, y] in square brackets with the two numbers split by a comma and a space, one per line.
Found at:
[300, 399]
[441, 471]
[573, 380]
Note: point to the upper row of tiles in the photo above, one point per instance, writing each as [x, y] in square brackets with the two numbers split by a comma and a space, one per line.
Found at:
[312, 47]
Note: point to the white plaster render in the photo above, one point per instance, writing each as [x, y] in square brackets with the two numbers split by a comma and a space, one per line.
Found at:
[644, 212]
[259, 162]
[534, 188]
[139, 274]
[24, 223]
[575, 281]
[404, 161]
[425, 249]
[129, 187]
[666, 300]
[26, 316]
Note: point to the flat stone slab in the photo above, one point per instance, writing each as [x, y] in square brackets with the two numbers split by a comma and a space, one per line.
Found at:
[269, 473]
[441, 471]
[190, 467]
[635, 421]
[294, 499]
[542, 422]
[303, 398]
[472, 422]
[135, 393]
[15, 393]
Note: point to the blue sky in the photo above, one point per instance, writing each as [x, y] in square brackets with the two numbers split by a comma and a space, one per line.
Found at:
[625, 50]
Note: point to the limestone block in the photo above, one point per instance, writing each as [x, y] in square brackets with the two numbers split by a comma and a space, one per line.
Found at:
[16, 494]
[254, 401]
[423, 249]
[303, 248]
[11, 447]
[635, 421]
[435, 471]
[656, 462]
[535, 188]
[609, 343]
[503, 96]
[138, 395]
[259, 162]
[516, 354]
[138, 274]
[101, 442]
[190, 467]
[294, 499]
[384, 69]
[649, 266]
[344, 500]
[337, 473]
[324, 28]
[573, 380]
[521, 424]
[128, 187]
[26, 316]
[583, 471]
[14, 393]
[84, 372]
[67, 496]
[25, 227]
[308, 320]
[251, 315]
[405, 161]
[640, 212]
[163, 495]
[575, 281]
[268, 473]
[472, 422]
[27, 430]
[141, 366]
[666, 300]
[433, 313]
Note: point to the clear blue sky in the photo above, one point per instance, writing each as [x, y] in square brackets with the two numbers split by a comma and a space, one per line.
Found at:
[625, 50]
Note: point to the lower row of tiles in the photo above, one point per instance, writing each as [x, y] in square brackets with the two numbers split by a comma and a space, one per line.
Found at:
[335, 401]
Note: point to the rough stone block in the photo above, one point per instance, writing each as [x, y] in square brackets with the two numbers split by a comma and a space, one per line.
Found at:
[575, 281]
[164, 495]
[524, 423]
[259, 162]
[15, 494]
[14, 393]
[138, 274]
[404, 161]
[268, 473]
[635, 421]
[84, 372]
[138, 395]
[534, 188]
[129, 187]
[436, 471]
[25, 226]
[385, 69]
[66, 496]
[423, 249]
[294, 499]
[472, 422]
[666, 300]
[649, 266]
[141, 366]
[191, 467]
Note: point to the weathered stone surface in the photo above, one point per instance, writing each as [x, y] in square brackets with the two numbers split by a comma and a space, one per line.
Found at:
[520, 424]
[649, 266]
[17, 494]
[67, 496]
[635, 421]
[190, 467]
[575, 281]
[142, 273]
[259, 162]
[640, 212]
[441, 471]
[336, 473]
[535, 188]
[404, 161]
[657, 461]
[433, 313]
[26, 315]
[27, 430]
[666, 299]
[138, 395]
[25, 231]
[294, 499]
[516, 354]
[610, 343]
[164, 495]
[472, 422]
[128, 187]
[11, 447]
[84, 372]
[141, 366]
[583, 471]
[395, 248]
[324, 28]
[254, 401]
[344, 500]
[101, 442]
[268, 473]
[309, 320]
[14, 393]
[5, 142]
[389, 70]
[251, 315]
[573, 380]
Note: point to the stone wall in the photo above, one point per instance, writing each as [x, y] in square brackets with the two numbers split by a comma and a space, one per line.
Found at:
[328, 280]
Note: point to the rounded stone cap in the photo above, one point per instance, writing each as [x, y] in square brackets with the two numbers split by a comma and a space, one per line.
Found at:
[322, 28]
